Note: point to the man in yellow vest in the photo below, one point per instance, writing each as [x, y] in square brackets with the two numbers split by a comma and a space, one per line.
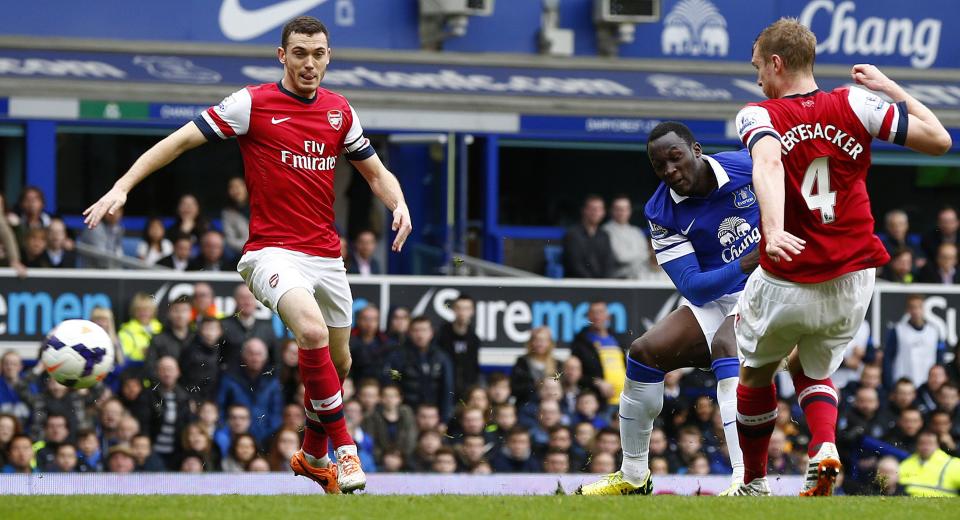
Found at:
[135, 335]
[930, 472]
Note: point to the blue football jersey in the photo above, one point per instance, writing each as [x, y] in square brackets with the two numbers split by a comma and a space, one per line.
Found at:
[719, 228]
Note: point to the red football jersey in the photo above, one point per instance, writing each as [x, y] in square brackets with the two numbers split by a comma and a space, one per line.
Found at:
[825, 141]
[290, 147]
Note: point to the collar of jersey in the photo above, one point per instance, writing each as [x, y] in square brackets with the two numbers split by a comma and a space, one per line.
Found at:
[718, 171]
[808, 94]
[295, 96]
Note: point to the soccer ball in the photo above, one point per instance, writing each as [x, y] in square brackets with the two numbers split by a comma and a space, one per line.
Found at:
[78, 353]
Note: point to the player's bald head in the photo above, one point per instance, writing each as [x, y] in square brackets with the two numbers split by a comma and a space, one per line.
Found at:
[307, 25]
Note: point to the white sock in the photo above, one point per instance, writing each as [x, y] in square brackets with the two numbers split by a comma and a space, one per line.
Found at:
[640, 404]
[727, 397]
[320, 462]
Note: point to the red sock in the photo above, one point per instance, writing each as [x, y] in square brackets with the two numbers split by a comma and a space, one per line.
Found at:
[818, 398]
[756, 417]
[323, 400]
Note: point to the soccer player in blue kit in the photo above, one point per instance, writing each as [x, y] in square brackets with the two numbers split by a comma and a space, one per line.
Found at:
[705, 226]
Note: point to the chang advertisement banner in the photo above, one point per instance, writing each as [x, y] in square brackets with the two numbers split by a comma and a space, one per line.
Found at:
[886, 32]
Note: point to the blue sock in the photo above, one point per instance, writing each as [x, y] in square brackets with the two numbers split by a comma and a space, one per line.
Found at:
[637, 371]
[725, 367]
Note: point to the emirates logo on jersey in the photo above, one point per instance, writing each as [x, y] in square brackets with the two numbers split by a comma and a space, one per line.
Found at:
[335, 117]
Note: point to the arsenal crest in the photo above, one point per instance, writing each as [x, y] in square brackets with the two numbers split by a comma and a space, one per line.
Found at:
[335, 117]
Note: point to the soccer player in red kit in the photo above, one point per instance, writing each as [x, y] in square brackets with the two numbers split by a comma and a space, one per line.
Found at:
[811, 153]
[291, 134]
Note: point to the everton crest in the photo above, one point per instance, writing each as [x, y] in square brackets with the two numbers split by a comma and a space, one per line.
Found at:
[335, 117]
[744, 197]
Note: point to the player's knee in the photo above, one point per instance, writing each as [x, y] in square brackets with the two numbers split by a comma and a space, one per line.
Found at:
[640, 352]
[723, 348]
[314, 336]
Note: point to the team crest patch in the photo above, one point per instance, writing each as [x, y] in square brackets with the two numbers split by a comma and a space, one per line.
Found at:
[744, 197]
[274, 280]
[335, 117]
[657, 231]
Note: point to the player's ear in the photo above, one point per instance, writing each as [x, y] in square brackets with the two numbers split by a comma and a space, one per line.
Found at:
[281, 55]
[697, 150]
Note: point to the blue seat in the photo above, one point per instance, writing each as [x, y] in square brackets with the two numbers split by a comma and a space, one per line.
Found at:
[130, 246]
[553, 255]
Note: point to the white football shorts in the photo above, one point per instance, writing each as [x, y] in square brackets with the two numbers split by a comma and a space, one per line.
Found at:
[819, 319]
[272, 271]
[711, 315]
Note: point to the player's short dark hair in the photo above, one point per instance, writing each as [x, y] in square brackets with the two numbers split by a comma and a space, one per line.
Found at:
[421, 319]
[303, 25]
[664, 128]
[914, 297]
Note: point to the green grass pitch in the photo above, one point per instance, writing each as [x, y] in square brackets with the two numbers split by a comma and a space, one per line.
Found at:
[432, 507]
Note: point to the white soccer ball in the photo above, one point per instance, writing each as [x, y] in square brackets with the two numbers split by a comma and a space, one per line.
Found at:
[78, 353]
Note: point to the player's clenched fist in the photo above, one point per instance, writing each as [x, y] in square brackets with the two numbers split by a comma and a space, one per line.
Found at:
[870, 76]
[780, 245]
[112, 201]
[402, 225]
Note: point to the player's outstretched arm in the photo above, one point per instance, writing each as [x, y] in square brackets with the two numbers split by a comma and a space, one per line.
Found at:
[386, 187]
[159, 155]
[768, 183]
[925, 133]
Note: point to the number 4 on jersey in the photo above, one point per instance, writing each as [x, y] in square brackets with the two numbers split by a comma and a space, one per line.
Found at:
[818, 173]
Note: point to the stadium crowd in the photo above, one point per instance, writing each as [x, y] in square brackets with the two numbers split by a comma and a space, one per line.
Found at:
[201, 392]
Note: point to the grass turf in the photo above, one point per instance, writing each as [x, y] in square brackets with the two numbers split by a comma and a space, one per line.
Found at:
[470, 507]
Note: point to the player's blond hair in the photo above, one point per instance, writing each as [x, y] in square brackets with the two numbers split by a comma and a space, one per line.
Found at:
[794, 42]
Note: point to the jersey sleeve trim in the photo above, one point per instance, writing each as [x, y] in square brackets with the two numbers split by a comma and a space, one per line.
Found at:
[753, 122]
[356, 146]
[673, 252]
[206, 129]
[900, 132]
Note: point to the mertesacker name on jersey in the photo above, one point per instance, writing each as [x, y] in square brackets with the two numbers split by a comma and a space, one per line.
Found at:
[805, 131]
[309, 162]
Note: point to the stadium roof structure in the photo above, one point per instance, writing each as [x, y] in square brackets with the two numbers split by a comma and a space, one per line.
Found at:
[158, 81]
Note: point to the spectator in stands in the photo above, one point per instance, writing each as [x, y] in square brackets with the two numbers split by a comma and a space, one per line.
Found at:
[587, 409]
[9, 426]
[19, 455]
[888, 478]
[107, 238]
[930, 472]
[35, 249]
[238, 423]
[498, 389]
[548, 390]
[393, 461]
[190, 220]
[192, 463]
[572, 382]
[631, 247]
[89, 452]
[602, 463]
[242, 325]
[212, 256]
[779, 459]
[398, 323]
[941, 424]
[134, 399]
[897, 236]
[235, 216]
[587, 252]
[353, 415]
[948, 400]
[391, 423]
[504, 419]
[284, 445]
[208, 417]
[203, 302]
[368, 394]
[870, 378]
[11, 384]
[56, 431]
[31, 214]
[290, 373]
[146, 459]
[902, 397]
[516, 456]
[428, 443]
[136, 334]
[120, 459]
[258, 465]
[927, 392]
[472, 449]
[65, 460]
[601, 354]
[111, 415]
[460, 342]
[945, 232]
[55, 398]
[9, 243]
[196, 442]
[293, 416]
[368, 346]
[943, 270]
[179, 260]
[242, 451]
[154, 245]
[103, 317]
[904, 435]
[59, 255]
[561, 439]
[200, 361]
[913, 345]
[535, 365]
[444, 461]
[362, 261]
[128, 429]
[861, 419]
[254, 387]
[428, 418]
[900, 267]
[171, 405]
[608, 441]
[550, 417]
[174, 338]
[426, 373]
